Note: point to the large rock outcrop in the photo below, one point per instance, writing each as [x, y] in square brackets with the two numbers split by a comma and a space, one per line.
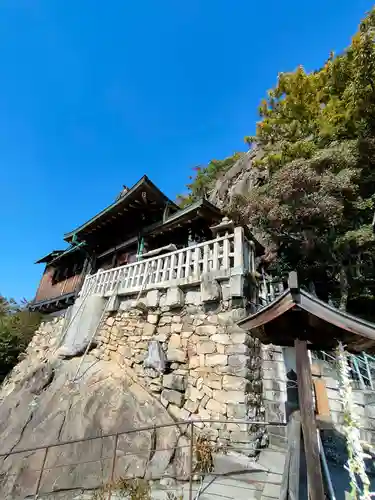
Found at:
[238, 180]
[44, 402]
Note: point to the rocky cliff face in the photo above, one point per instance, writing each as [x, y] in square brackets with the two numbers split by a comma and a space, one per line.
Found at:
[45, 401]
[238, 180]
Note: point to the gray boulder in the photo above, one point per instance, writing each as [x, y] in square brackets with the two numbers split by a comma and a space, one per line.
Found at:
[47, 407]
[238, 180]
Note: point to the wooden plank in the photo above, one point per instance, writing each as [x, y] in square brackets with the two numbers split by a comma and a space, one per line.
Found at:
[294, 443]
[321, 398]
[285, 480]
[304, 381]
[290, 481]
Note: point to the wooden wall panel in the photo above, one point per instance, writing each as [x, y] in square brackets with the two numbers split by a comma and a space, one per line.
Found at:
[49, 290]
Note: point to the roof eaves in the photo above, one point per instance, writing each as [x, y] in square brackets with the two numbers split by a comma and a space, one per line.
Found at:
[282, 303]
[49, 256]
[69, 250]
[314, 306]
[336, 317]
[181, 212]
[142, 180]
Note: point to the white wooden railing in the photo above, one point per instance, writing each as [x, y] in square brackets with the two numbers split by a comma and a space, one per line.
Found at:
[186, 266]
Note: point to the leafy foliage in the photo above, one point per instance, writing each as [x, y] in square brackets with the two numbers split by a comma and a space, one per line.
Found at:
[205, 178]
[17, 326]
[318, 137]
[316, 203]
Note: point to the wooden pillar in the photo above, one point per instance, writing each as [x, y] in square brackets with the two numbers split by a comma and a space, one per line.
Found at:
[310, 439]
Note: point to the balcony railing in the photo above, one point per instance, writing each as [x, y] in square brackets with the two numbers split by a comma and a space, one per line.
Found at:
[218, 256]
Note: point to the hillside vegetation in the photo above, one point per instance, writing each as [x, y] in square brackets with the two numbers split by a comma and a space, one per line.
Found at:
[315, 207]
[17, 326]
[205, 176]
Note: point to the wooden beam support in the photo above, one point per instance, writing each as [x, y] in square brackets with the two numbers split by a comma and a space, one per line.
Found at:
[294, 440]
[321, 398]
[310, 439]
[291, 475]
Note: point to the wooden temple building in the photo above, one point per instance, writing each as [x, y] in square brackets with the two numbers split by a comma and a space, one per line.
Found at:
[144, 235]
[141, 221]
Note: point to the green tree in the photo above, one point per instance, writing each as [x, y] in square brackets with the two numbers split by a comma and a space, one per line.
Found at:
[317, 134]
[17, 326]
[315, 207]
[205, 178]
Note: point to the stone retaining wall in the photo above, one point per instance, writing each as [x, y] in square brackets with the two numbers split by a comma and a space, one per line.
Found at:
[46, 338]
[212, 367]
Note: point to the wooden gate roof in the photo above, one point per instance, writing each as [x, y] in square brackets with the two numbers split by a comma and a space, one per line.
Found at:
[296, 314]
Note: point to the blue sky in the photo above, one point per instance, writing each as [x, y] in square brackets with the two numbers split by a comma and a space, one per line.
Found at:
[94, 94]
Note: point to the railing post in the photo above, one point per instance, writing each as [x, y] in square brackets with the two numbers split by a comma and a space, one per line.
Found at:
[237, 281]
[191, 460]
[239, 242]
[41, 474]
[197, 256]
[113, 468]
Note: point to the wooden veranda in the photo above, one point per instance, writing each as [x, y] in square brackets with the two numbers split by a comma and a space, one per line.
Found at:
[297, 318]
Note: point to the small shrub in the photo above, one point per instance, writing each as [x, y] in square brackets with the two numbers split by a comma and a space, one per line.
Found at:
[17, 327]
[203, 452]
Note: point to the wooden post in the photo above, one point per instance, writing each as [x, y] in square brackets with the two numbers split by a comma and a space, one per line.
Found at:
[294, 465]
[290, 481]
[304, 380]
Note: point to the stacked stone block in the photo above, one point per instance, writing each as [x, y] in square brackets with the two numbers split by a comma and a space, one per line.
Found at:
[213, 368]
